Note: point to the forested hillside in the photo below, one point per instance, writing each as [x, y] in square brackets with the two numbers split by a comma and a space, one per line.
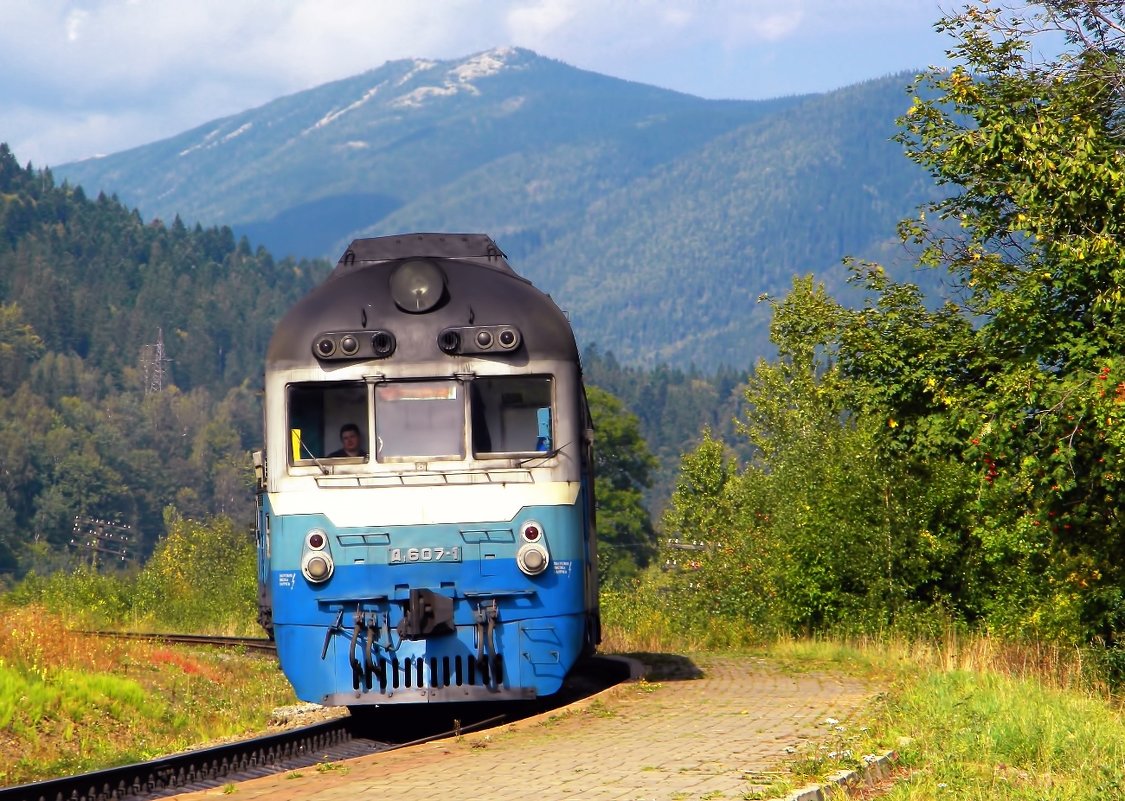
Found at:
[92, 423]
[130, 373]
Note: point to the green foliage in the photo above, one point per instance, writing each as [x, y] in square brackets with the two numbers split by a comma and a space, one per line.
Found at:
[203, 576]
[1036, 241]
[86, 288]
[623, 468]
[914, 463]
[819, 530]
[673, 406]
[98, 600]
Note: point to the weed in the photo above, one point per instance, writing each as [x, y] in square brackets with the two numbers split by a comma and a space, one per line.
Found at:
[599, 710]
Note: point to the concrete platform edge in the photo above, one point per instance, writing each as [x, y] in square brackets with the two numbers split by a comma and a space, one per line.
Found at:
[877, 768]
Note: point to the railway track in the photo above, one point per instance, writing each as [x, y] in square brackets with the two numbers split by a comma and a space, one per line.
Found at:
[249, 643]
[320, 743]
[378, 729]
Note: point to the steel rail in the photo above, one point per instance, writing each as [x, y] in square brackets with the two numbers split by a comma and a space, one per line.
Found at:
[222, 764]
[250, 643]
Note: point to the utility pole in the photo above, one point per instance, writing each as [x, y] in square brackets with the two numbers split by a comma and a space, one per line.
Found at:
[105, 541]
[153, 361]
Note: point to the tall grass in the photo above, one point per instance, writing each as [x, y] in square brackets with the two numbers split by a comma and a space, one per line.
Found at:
[73, 702]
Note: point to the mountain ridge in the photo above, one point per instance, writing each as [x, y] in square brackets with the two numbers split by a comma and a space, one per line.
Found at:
[591, 184]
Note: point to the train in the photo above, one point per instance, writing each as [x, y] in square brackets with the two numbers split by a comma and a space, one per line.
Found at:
[425, 506]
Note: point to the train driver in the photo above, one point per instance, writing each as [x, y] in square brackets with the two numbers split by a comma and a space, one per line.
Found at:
[351, 440]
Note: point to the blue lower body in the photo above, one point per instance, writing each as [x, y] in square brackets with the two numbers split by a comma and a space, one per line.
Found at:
[384, 631]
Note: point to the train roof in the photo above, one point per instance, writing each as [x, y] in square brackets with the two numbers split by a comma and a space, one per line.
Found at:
[473, 248]
[476, 288]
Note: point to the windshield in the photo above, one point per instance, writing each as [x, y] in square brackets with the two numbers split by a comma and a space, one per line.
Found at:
[419, 420]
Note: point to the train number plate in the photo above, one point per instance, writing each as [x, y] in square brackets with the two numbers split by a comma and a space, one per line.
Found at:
[412, 556]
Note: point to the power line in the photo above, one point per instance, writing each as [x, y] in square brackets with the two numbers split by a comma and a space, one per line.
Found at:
[104, 541]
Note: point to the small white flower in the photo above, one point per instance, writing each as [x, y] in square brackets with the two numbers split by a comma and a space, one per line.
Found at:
[831, 721]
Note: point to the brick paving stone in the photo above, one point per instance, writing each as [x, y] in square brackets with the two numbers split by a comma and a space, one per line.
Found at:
[718, 735]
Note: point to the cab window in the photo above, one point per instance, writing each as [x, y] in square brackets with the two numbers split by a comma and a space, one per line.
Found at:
[327, 421]
[419, 419]
[511, 414]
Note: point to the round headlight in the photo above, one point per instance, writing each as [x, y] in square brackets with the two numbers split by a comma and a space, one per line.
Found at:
[532, 558]
[417, 286]
[317, 566]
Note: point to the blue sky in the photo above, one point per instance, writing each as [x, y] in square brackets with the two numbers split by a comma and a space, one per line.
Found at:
[85, 77]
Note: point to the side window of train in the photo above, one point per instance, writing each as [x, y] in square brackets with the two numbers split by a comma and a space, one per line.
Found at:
[324, 419]
[511, 414]
[419, 419]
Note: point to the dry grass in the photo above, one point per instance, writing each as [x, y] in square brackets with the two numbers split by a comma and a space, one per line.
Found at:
[71, 702]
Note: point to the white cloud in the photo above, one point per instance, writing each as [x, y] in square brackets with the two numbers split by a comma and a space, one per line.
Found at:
[74, 22]
[773, 27]
[536, 22]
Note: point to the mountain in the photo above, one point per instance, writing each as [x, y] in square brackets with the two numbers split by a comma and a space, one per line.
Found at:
[656, 218]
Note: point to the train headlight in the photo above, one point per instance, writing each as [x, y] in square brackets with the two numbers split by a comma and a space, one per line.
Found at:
[532, 558]
[484, 339]
[417, 286]
[342, 345]
[316, 561]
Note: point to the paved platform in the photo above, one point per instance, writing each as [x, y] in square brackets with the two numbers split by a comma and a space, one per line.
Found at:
[716, 729]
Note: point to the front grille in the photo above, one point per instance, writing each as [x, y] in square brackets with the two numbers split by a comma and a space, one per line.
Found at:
[434, 672]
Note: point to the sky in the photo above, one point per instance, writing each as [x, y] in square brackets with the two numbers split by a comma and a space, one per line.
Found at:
[80, 78]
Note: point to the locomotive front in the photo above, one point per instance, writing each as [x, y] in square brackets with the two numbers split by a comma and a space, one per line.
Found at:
[425, 507]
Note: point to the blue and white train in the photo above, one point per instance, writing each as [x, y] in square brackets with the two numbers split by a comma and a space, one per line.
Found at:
[426, 512]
